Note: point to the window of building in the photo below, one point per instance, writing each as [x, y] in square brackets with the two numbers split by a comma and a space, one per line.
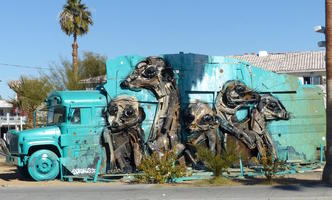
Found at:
[306, 80]
[314, 80]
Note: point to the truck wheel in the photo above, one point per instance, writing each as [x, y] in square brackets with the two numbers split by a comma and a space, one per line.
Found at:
[43, 165]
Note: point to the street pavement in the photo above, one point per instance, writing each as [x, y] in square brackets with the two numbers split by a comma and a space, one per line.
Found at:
[155, 192]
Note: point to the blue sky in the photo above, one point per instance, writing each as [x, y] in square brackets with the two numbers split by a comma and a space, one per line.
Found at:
[30, 33]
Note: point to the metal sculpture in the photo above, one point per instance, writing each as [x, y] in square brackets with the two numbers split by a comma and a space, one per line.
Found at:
[251, 130]
[234, 96]
[125, 117]
[201, 125]
[269, 108]
[156, 75]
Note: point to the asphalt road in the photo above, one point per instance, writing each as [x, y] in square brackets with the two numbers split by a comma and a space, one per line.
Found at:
[144, 192]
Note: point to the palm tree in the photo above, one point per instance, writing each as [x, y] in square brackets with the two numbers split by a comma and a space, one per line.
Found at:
[327, 174]
[75, 20]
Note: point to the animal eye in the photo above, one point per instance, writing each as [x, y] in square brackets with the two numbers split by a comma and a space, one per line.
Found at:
[239, 89]
[207, 118]
[273, 104]
[149, 72]
[128, 112]
[189, 118]
[113, 110]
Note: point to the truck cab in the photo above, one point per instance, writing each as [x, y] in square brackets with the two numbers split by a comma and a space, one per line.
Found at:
[71, 142]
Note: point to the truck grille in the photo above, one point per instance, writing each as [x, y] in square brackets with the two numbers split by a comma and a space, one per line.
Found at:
[13, 144]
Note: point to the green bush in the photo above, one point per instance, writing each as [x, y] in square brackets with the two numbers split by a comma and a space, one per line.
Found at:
[271, 166]
[216, 163]
[160, 170]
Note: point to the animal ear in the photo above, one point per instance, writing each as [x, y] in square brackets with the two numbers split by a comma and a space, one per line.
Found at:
[141, 115]
[167, 74]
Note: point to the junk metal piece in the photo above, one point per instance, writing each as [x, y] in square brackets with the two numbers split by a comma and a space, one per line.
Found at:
[3, 148]
[269, 108]
[201, 125]
[230, 99]
[156, 75]
[125, 117]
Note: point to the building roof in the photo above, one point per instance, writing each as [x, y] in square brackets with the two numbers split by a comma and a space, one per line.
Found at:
[308, 61]
[5, 104]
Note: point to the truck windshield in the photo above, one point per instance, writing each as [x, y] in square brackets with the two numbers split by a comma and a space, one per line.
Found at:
[56, 115]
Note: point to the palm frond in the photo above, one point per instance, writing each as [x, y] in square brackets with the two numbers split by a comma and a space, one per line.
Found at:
[75, 18]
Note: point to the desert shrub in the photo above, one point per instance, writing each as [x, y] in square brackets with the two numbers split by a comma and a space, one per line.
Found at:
[216, 163]
[160, 169]
[271, 166]
[235, 145]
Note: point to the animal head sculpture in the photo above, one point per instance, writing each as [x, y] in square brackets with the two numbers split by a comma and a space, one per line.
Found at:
[201, 125]
[236, 93]
[272, 108]
[124, 112]
[199, 117]
[149, 74]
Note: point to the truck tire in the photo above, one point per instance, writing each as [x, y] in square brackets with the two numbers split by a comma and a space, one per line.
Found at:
[43, 165]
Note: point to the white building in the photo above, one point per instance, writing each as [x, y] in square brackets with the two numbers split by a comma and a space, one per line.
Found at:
[9, 120]
[309, 66]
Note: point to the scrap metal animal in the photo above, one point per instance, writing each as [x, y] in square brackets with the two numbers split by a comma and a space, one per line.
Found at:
[125, 117]
[269, 108]
[234, 96]
[202, 126]
[156, 75]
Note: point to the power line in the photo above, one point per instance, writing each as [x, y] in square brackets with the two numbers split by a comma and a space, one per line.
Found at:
[22, 66]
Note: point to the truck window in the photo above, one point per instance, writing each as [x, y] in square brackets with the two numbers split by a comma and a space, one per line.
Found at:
[56, 115]
[76, 117]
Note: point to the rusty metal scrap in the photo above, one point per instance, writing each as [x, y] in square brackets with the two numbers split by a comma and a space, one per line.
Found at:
[234, 96]
[201, 125]
[268, 108]
[252, 130]
[125, 117]
[156, 75]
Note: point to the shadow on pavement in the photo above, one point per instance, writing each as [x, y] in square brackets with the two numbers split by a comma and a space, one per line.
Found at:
[291, 184]
[13, 174]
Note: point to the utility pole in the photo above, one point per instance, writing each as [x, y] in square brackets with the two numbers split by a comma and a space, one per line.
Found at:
[327, 173]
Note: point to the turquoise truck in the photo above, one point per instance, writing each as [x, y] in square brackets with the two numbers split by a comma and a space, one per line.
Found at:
[75, 123]
[76, 140]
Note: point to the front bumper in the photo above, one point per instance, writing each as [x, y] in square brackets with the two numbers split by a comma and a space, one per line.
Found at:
[10, 159]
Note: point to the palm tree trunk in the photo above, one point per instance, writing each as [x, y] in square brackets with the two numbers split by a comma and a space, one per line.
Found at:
[327, 174]
[75, 67]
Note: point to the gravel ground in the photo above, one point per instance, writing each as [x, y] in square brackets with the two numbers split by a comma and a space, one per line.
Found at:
[9, 177]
